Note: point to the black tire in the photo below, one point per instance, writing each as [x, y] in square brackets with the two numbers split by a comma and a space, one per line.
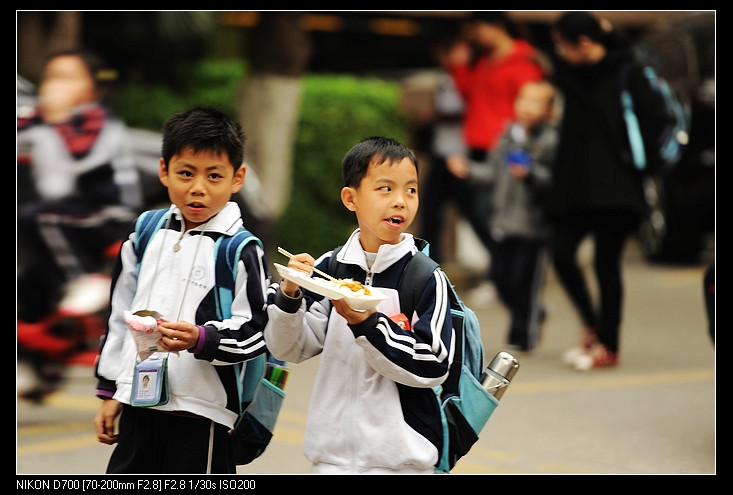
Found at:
[668, 233]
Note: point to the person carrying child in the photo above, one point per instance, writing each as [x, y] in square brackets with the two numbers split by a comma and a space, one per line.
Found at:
[520, 172]
[201, 166]
[373, 409]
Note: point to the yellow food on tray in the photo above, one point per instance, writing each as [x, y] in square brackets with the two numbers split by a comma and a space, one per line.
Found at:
[357, 295]
[354, 286]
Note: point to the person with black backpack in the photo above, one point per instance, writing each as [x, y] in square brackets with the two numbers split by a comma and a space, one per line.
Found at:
[597, 188]
[373, 408]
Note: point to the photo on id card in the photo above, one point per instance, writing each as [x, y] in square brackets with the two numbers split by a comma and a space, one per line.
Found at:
[149, 385]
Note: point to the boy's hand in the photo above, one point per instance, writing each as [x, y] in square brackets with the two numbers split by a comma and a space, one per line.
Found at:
[104, 421]
[303, 262]
[352, 316]
[178, 335]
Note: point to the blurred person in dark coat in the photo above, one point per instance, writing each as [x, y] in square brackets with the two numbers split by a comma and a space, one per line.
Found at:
[597, 190]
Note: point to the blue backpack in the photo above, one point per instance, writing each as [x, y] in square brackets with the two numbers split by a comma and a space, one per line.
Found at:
[465, 406]
[260, 399]
[659, 149]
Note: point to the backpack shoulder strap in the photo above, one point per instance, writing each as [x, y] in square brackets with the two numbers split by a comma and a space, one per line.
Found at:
[229, 248]
[333, 267]
[148, 223]
[636, 142]
[415, 275]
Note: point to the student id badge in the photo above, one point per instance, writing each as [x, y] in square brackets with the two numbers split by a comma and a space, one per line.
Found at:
[150, 383]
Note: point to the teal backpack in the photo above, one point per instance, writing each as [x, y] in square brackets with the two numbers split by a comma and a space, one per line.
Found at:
[659, 152]
[260, 399]
[465, 406]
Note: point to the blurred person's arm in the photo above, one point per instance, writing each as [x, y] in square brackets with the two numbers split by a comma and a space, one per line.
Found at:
[457, 165]
[459, 65]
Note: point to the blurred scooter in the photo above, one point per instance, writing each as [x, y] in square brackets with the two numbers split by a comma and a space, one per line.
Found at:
[68, 337]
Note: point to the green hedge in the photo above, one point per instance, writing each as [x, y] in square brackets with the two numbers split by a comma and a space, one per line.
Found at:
[337, 111]
[209, 82]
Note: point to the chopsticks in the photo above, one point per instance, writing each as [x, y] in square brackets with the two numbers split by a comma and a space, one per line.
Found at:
[319, 272]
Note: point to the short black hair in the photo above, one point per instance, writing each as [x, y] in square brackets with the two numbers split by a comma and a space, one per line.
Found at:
[572, 25]
[382, 149]
[203, 128]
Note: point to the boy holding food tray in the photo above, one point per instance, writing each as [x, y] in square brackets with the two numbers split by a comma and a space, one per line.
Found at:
[373, 409]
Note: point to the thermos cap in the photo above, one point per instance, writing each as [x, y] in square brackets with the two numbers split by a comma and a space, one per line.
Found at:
[505, 365]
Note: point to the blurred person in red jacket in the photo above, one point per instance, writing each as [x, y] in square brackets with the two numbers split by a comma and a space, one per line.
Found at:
[489, 77]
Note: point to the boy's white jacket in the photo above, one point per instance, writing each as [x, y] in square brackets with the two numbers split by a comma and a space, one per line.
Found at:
[179, 284]
[372, 408]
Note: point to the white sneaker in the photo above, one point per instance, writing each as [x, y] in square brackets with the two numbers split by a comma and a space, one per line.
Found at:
[86, 294]
[571, 355]
[583, 362]
[597, 356]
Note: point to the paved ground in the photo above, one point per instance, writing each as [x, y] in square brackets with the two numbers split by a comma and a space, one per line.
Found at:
[654, 414]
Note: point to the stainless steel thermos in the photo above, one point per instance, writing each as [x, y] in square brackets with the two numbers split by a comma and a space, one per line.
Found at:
[499, 373]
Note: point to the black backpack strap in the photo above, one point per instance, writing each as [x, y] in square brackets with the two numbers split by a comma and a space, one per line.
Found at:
[333, 265]
[415, 275]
